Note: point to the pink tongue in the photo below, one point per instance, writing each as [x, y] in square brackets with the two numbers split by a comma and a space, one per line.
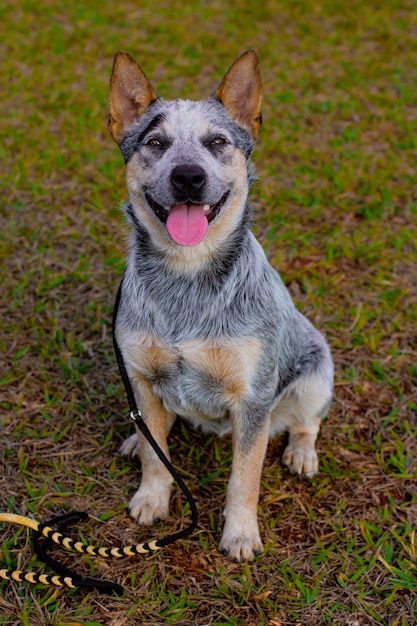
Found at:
[187, 224]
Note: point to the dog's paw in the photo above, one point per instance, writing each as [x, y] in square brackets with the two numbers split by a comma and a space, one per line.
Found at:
[240, 542]
[301, 459]
[130, 446]
[150, 505]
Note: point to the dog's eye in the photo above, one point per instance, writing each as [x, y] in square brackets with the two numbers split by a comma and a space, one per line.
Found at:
[218, 141]
[154, 143]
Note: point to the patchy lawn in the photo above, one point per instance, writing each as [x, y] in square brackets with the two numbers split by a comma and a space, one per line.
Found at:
[337, 214]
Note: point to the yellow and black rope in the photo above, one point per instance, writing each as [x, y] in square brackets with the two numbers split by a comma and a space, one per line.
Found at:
[32, 577]
[65, 577]
[69, 544]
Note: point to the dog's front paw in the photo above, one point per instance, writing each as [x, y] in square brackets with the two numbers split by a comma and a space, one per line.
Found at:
[240, 542]
[301, 459]
[150, 505]
[130, 446]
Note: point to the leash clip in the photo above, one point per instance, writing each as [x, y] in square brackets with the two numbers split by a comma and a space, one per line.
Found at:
[134, 415]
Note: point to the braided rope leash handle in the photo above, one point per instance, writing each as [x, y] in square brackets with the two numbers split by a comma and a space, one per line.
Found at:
[41, 545]
[82, 548]
[31, 577]
[67, 578]
[70, 544]
[64, 576]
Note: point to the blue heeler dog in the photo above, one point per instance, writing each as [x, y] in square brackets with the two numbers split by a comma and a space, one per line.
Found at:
[207, 329]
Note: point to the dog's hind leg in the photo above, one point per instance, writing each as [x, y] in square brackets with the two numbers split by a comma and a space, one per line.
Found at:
[300, 455]
[151, 501]
[300, 411]
[130, 446]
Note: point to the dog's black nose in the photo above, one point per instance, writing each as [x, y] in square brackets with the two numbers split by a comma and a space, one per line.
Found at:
[188, 180]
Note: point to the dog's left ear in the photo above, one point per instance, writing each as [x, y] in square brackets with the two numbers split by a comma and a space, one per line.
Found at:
[130, 95]
[241, 92]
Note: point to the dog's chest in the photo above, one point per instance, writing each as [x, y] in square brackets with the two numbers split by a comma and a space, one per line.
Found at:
[200, 379]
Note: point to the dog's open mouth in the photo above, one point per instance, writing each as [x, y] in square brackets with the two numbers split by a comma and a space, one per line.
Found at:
[187, 222]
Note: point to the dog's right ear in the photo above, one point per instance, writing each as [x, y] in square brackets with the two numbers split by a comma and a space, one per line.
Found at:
[130, 95]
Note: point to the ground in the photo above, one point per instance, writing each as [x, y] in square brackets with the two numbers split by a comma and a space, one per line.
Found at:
[336, 211]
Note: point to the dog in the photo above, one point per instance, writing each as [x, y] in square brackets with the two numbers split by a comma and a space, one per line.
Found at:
[207, 329]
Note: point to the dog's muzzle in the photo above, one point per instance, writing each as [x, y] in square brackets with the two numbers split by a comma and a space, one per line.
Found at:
[188, 181]
[187, 221]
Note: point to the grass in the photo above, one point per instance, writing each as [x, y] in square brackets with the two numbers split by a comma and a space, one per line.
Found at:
[337, 214]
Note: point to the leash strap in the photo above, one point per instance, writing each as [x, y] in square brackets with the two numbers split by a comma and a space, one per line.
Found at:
[136, 416]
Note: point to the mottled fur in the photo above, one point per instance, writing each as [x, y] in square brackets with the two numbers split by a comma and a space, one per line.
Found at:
[209, 331]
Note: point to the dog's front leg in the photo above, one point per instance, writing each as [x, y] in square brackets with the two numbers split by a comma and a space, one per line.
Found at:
[151, 501]
[240, 540]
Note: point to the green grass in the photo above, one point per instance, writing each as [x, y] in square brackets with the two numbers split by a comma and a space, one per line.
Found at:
[337, 215]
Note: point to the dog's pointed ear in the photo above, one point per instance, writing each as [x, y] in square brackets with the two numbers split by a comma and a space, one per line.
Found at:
[241, 92]
[130, 95]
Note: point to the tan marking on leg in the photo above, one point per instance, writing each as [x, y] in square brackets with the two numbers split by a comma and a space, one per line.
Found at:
[150, 503]
[144, 358]
[240, 539]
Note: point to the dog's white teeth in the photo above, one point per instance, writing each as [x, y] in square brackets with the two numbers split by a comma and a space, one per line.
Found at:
[206, 209]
